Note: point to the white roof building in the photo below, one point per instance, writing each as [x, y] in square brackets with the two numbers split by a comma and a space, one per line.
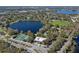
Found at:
[40, 39]
[75, 18]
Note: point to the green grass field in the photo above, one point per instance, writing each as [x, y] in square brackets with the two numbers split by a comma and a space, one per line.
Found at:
[61, 23]
[1, 30]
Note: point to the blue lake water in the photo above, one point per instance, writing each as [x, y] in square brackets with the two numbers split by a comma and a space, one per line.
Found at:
[77, 46]
[63, 11]
[77, 39]
[25, 26]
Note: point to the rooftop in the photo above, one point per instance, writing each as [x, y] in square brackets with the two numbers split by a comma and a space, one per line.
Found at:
[22, 37]
[40, 39]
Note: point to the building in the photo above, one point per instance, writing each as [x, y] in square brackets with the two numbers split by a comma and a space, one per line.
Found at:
[23, 37]
[75, 18]
[40, 39]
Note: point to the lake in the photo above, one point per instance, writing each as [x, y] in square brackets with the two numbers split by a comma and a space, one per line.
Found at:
[77, 46]
[63, 11]
[77, 39]
[25, 26]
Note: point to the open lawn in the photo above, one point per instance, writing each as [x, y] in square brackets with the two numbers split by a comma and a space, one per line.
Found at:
[61, 23]
[1, 30]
